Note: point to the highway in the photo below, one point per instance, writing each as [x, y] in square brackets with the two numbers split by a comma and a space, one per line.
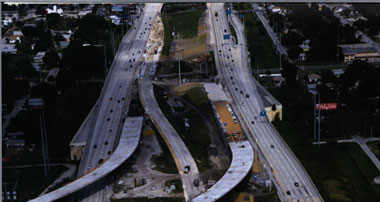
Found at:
[177, 147]
[291, 179]
[114, 98]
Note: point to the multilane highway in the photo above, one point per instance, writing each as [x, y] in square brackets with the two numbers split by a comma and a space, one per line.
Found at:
[114, 99]
[292, 181]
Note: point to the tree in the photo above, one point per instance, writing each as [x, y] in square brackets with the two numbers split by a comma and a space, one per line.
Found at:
[91, 29]
[51, 59]
[289, 70]
[53, 20]
[40, 11]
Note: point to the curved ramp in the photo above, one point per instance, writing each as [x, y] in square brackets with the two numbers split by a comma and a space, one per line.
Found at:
[128, 143]
[177, 147]
[242, 160]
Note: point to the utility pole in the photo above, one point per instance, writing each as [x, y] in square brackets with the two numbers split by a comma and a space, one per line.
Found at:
[179, 72]
[43, 147]
[319, 120]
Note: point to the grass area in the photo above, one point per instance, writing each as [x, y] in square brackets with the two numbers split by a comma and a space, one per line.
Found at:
[171, 199]
[196, 137]
[233, 33]
[263, 56]
[164, 162]
[31, 180]
[177, 183]
[341, 172]
[184, 23]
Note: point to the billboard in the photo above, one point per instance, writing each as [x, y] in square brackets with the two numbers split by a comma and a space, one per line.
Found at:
[326, 106]
[226, 36]
[117, 9]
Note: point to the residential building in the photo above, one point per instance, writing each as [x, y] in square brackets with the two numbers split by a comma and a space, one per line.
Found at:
[9, 48]
[38, 58]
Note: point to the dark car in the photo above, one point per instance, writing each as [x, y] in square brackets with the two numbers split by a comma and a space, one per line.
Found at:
[247, 95]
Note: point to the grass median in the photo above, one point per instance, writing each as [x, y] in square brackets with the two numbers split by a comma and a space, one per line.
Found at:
[341, 172]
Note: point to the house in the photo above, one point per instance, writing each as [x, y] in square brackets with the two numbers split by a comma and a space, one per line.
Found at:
[302, 56]
[51, 77]
[54, 10]
[14, 142]
[314, 77]
[38, 58]
[278, 80]
[337, 72]
[9, 48]
[362, 51]
[305, 45]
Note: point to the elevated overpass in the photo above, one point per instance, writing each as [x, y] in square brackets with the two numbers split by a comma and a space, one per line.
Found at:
[128, 143]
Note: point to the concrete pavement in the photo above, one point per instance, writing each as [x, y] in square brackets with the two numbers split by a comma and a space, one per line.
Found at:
[177, 147]
[129, 141]
[291, 179]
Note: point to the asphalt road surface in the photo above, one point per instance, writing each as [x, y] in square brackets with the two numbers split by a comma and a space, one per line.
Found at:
[293, 182]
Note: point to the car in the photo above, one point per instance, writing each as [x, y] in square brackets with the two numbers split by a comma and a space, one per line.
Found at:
[139, 51]
[133, 53]
[220, 51]
[255, 117]
[130, 66]
[252, 122]
[231, 77]
[134, 59]
[150, 24]
[296, 184]
[135, 27]
[100, 161]
[288, 192]
[145, 28]
[225, 30]
[122, 98]
[229, 49]
[88, 167]
[110, 131]
[106, 143]
[108, 119]
[109, 152]
[241, 92]
[236, 89]
[111, 99]
[111, 110]
[232, 60]
[233, 83]
[232, 69]
[247, 95]
[228, 57]
[95, 146]
[271, 146]
[242, 104]
[130, 60]
[186, 169]
[196, 182]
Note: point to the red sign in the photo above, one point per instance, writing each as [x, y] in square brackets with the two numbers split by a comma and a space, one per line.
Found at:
[326, 106]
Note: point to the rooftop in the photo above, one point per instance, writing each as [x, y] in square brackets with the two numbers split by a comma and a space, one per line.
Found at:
[350, 49]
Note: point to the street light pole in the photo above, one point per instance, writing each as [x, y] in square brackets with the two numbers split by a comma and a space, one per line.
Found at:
[315, 115]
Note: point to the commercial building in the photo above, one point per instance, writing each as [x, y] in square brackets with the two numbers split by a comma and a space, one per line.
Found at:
[363, 52]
